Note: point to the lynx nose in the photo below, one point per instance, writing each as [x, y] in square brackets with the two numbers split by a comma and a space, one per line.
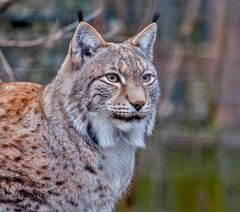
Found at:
[138, 105]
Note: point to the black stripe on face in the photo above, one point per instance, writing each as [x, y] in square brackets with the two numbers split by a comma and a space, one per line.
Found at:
[93, 80]
[75, 89]
[91, 133]
[100, 94]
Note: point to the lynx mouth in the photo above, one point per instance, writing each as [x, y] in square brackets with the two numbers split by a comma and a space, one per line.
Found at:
[127, 119]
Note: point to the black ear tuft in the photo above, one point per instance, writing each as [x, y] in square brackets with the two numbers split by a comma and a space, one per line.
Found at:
[155, 17]
[80, 15]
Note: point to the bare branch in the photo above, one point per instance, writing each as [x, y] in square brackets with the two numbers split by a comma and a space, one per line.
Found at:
[6, 66]
[113, 31]
[51, 39]
[5, 4]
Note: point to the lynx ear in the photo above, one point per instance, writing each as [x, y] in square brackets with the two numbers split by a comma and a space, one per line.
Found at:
[85, 42]
[145, 39]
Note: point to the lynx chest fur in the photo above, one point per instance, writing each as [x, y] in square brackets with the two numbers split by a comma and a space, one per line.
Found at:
[70, 146]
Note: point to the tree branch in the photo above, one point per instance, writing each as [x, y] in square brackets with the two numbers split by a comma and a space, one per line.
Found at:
[51, 39]
[6, 66]
[5, 4]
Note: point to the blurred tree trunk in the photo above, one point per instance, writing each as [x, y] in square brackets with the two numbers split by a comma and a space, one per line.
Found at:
[218, 33]
[178, 54]
[228, 102]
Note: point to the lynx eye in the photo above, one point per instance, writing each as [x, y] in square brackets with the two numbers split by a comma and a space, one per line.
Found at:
[147, 78]
[113, 78]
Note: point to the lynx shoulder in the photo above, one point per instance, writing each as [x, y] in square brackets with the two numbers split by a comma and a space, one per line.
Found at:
[70, 146]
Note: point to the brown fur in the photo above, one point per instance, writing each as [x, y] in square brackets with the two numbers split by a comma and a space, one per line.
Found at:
[57, 151]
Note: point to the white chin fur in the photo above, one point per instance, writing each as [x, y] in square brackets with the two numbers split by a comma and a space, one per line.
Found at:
[123, 125]
[109, 132]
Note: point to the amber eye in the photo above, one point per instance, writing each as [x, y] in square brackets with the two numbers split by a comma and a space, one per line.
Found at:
[114, 78]
[147, 78]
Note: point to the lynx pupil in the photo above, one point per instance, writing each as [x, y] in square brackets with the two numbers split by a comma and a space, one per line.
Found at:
[113, 78]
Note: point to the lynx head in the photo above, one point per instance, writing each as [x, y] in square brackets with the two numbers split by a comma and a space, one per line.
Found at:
[112, 89]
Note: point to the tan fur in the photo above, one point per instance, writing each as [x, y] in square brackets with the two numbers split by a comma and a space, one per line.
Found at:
[70, 146]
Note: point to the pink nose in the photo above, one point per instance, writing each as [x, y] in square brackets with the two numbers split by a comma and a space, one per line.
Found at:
[138, 105]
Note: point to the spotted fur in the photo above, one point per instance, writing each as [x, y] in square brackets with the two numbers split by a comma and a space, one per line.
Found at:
[70, 146]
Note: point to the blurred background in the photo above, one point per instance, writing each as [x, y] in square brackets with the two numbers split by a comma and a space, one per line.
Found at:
[191, 162]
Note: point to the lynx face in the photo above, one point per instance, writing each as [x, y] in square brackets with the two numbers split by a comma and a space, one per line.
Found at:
[115, 87]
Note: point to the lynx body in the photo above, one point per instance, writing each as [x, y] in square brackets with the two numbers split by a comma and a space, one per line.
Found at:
[70, 146]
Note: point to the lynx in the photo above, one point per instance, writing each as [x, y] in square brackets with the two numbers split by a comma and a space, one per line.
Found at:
[70, 146]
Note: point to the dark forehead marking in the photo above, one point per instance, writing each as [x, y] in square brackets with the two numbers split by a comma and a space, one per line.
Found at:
[130, 63]
[134, 50]
[122, 51]
[128, 50]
